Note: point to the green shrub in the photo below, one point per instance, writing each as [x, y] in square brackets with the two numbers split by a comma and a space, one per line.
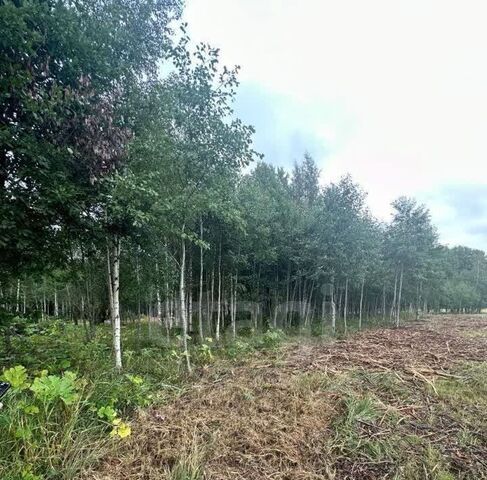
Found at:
[238, 348]
[272, 338]
[37, 423]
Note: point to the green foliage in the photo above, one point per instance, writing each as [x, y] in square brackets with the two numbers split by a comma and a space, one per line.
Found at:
[360, 410]
[469, 386]
[205, 352]
[52, 387]
[17, 377]
[239, 348]
[272, 338]
[37, 426]
[107, 412]
[96, 145]
[54, 424]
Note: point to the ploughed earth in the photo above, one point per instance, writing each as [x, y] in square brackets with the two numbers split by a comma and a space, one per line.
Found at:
[400, 403]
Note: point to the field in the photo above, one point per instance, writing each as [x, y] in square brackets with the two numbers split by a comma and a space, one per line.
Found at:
[407, 403]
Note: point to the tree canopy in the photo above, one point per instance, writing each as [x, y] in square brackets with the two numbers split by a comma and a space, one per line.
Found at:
[122, 163]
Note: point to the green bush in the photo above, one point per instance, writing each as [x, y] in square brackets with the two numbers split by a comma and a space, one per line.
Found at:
[238, 348]
[272, 338]
[67, 401]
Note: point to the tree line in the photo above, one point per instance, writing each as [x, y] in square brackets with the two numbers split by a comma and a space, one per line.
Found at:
[124, 193]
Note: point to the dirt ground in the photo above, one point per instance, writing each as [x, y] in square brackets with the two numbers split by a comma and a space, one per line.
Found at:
[387, 403]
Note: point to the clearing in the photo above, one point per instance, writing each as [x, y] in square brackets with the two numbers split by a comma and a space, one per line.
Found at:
[390, 403]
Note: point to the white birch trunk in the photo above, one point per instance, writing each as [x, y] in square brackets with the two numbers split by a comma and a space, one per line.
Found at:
[393, 305]
[182, 298]
[200, 302]
[398, 310]
[219, 306]
[212, 304]
[190, 293]
[158, 296]
[17, 307]
[361, 304]
[114, 290]
[333, 308]
[234, 325]
[56, 306]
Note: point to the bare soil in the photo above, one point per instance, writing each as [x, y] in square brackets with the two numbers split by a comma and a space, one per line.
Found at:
[289, 414]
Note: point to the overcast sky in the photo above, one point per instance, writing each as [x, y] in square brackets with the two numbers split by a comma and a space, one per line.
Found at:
[392, 91]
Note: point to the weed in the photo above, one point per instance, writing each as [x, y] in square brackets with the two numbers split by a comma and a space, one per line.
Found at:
[272, 338]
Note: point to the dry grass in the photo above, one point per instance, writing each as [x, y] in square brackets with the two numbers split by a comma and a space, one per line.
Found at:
[382, 404]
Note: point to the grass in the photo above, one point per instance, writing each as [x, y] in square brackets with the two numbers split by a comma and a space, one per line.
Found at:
[266, 406]
[393, 427]
[51, 439]
[189, 465]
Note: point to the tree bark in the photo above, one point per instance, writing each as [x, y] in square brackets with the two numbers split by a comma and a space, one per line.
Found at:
[17, 306]
[234, 326]
[114, 289]
[190, 292]
[361, 304]
[393, 305]
[212, 304]
[333, 307]
[219, 306]
[158, 296]
[182, 298]
[56, 305]
[200, 303]
[398, 309]
[288, 284]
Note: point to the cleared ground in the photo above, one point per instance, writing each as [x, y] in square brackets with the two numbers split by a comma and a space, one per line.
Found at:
[392, 403]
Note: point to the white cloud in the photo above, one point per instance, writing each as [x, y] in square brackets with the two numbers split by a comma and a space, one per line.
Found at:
[409, 77]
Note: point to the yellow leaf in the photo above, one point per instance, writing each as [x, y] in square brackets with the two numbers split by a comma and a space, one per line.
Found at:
[124, 430]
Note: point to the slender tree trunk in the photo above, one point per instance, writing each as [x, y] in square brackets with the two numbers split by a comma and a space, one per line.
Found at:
[17, 306]
[384, 302]
[56, 306]
[340, 303]
[418, 301]
[182, 298]
[167, 300]
[219, 306]
[276, 301]
[293, 299]
[257, 314]
[83, 318]
[114, 289]
[232, 311]
[303, 301]
[200, 302]
[208, 303]
[361, 304]
[190, 292]
[345, 306]
[288, 284]
[212, 307]
[234, 325]
[393, 305]
[398, 310]
[333, 307]
[158, 296]
[44, 303]
[309, 306]
[139, 300]
[323, 313]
